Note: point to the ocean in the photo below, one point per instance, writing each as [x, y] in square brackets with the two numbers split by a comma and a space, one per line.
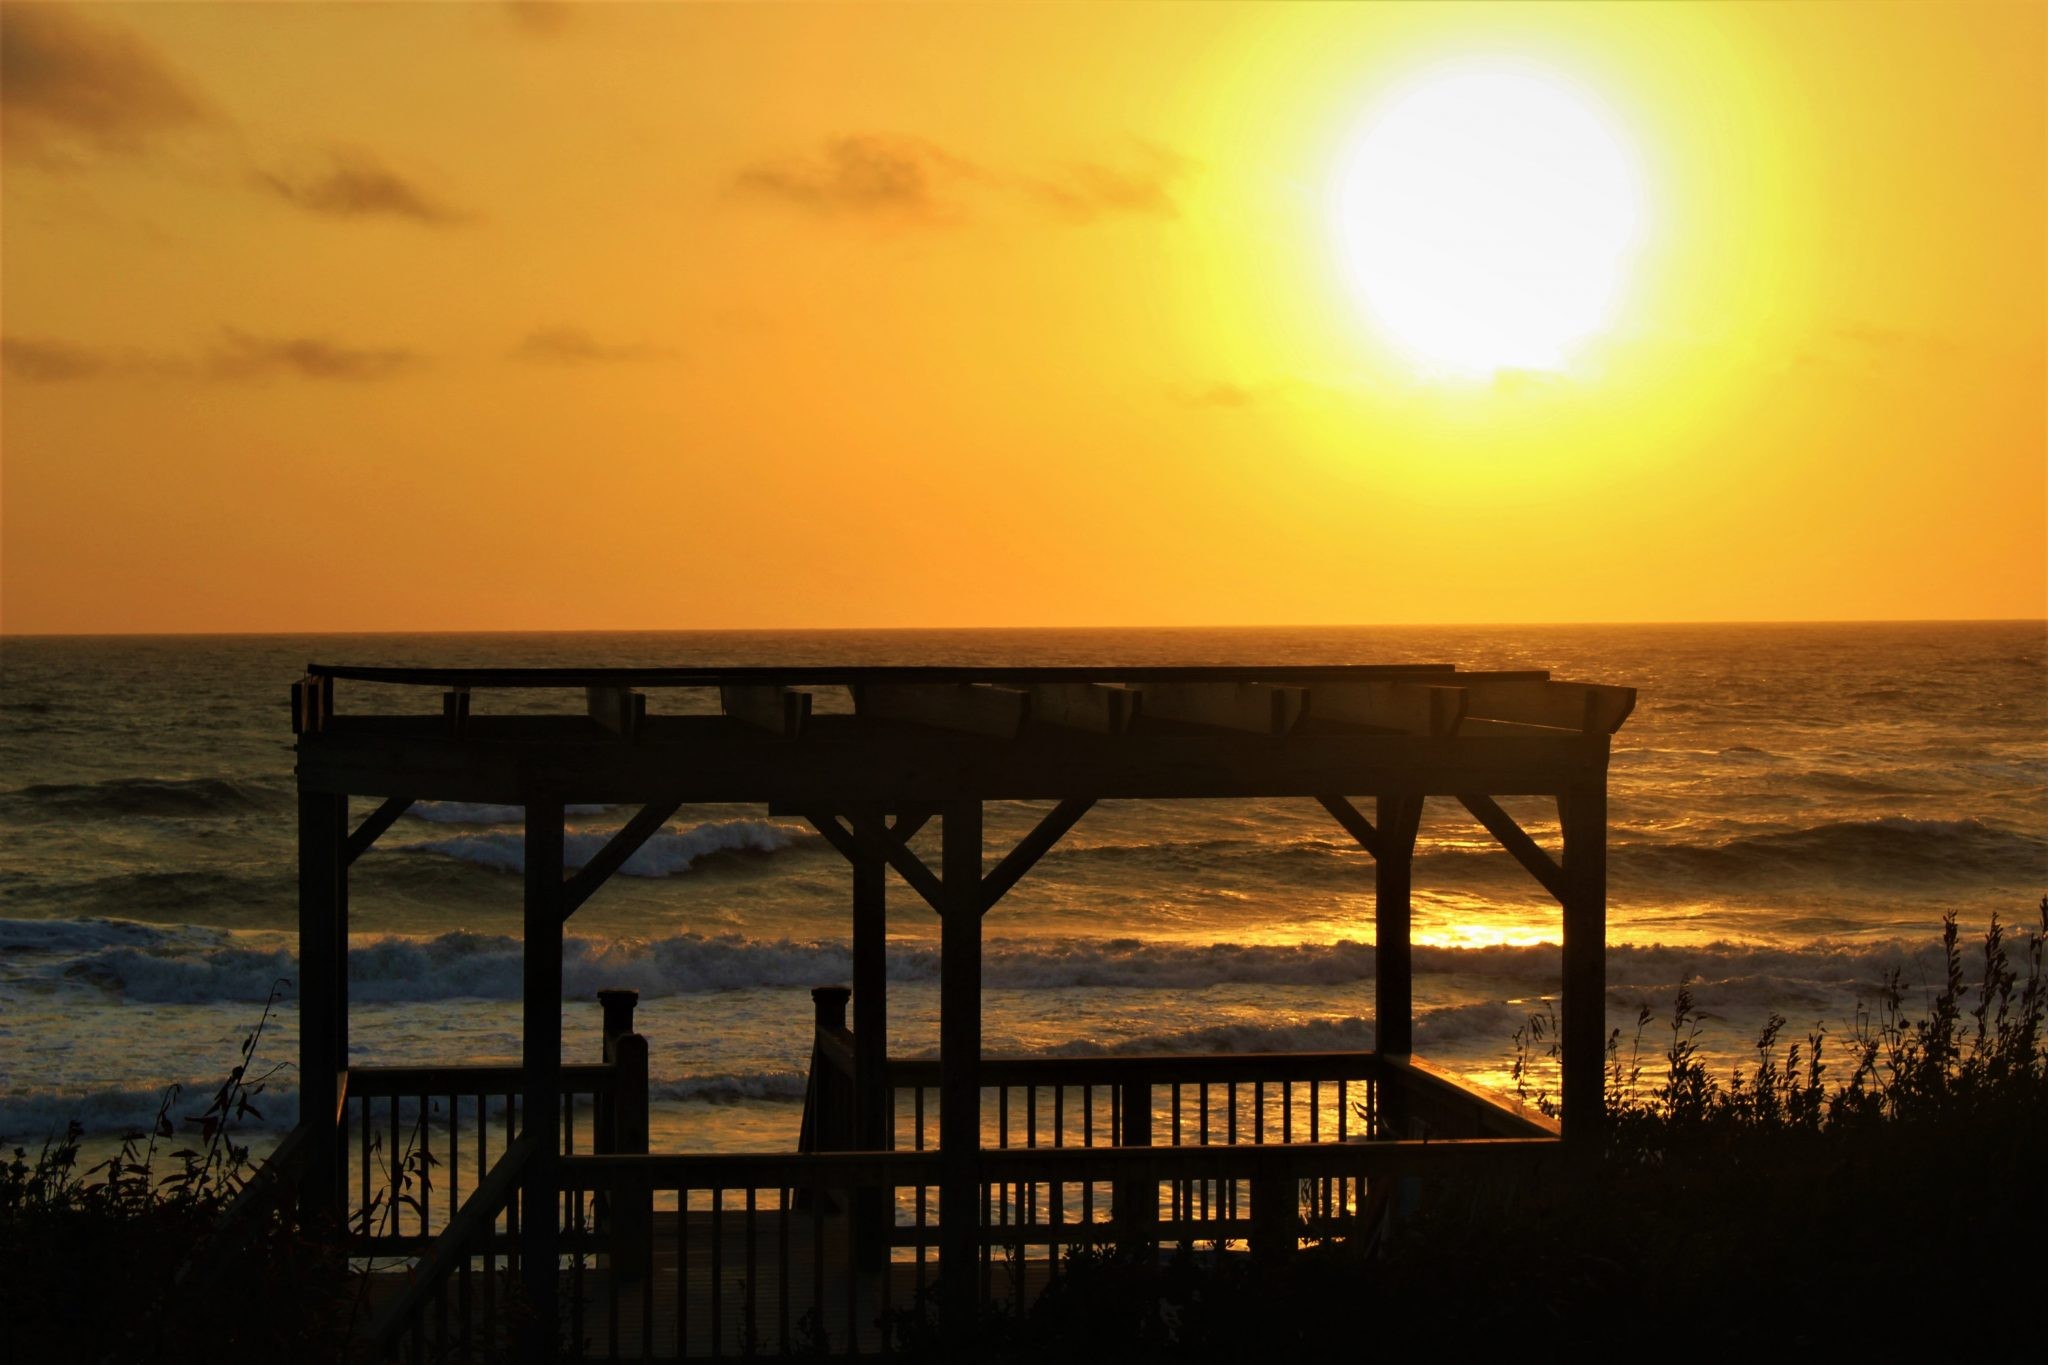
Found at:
[1792, 809]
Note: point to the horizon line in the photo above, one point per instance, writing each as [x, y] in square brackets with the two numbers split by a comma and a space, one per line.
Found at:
[996, 629]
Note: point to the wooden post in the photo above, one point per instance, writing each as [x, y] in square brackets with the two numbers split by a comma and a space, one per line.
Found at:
[632, 1210]
[960, 1066]
[1135, 1201]
[323, 973]
[541, 1099]
[1397, 818]
[1582, 812]
[875, 1118]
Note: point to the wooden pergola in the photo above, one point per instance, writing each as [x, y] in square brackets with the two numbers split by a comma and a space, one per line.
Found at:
[924, 746]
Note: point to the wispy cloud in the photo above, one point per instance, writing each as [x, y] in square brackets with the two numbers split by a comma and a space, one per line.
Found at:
[241, 355]
[52, 361]
[544, 18]
[1087, 190]
[354, 184]
[235, 356]
[890, 178]
[864, 176]
[69, 84]
[567, 345]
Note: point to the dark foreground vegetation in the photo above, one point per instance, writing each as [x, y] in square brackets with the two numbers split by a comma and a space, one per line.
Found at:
[1884, 1191]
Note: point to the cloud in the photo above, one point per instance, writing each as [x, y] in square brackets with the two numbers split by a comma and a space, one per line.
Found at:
[543, 18]
[354, 184]
[241, 355]
[574, 346]
[1215, 394]
[1085, 191]
[51, 361]
[68, 82]
[864, 176]
[236, 356]
[908, 179]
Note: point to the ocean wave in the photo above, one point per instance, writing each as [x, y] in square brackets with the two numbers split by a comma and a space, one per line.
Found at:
[27, 1117]
[1894, 847]
[145, 964]
[479, 813]
[668, 854]
[128, 797]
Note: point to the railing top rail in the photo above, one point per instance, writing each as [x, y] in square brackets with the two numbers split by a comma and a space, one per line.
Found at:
[477, 1218]
[1161, 1068]
[379, 1082]
[831, 1169]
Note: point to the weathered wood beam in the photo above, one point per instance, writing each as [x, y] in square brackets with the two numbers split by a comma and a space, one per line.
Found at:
[1354, 822]
[1398, 820]
[1406, 707]
[837, 835]
[960, 1066]
[541, 1056]
[1100, 708]
[1031, 848]
[1589, 708]
[1582, 1035]
[323, 978]
[620, 710]
[781, 711]
[312, 704]
[1261, 708]
[613, 855]
[1512, 837]
[890, 846]
[975, 708]
[455, 710]
[374, 824]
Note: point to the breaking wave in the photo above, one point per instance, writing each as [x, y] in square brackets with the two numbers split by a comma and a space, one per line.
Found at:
[184, 965]
[127, 797]
[668, 854]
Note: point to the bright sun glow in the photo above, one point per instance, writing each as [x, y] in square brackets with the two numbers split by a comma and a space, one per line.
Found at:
[1487, 216]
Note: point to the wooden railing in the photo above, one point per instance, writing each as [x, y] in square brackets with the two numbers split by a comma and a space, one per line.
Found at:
[416, 1140]
[451, 1306]
[740, 1262]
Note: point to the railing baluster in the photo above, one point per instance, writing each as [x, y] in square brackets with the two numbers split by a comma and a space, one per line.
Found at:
[717, 1271]
[393, 1162]
[682, 1271]
[752, 1303]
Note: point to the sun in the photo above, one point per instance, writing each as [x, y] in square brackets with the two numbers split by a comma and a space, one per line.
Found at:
[1487, 216]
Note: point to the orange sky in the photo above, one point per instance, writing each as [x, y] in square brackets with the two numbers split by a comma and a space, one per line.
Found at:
[390, 317]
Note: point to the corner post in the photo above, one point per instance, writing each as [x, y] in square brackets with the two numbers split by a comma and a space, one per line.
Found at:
[873, 1107]
[323, 974]
[1398, 818]
[541, 1098]
[960, 1066]
[1582, 812]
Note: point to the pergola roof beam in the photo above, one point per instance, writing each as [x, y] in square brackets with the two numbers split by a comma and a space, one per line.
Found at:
[1261, 708]
[615, 852]
[781, 711]
[975, 708]
[1589, 708]
[1530, 854]
[1407, 708]
[374, 824]
[1100, 708]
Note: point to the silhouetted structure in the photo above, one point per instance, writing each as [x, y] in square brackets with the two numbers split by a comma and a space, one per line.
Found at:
[665, 1255]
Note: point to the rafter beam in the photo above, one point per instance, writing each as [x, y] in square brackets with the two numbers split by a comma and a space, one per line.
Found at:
[1354, 822]
[781, 711]
[886, 843]
[1408, 708]
[975, 708]
[1262, 708]
[373, 826]
[613, 855]
[1031, 848]
[1100, 708]
[618, 709]
[1516, 840]
[1589, 708]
